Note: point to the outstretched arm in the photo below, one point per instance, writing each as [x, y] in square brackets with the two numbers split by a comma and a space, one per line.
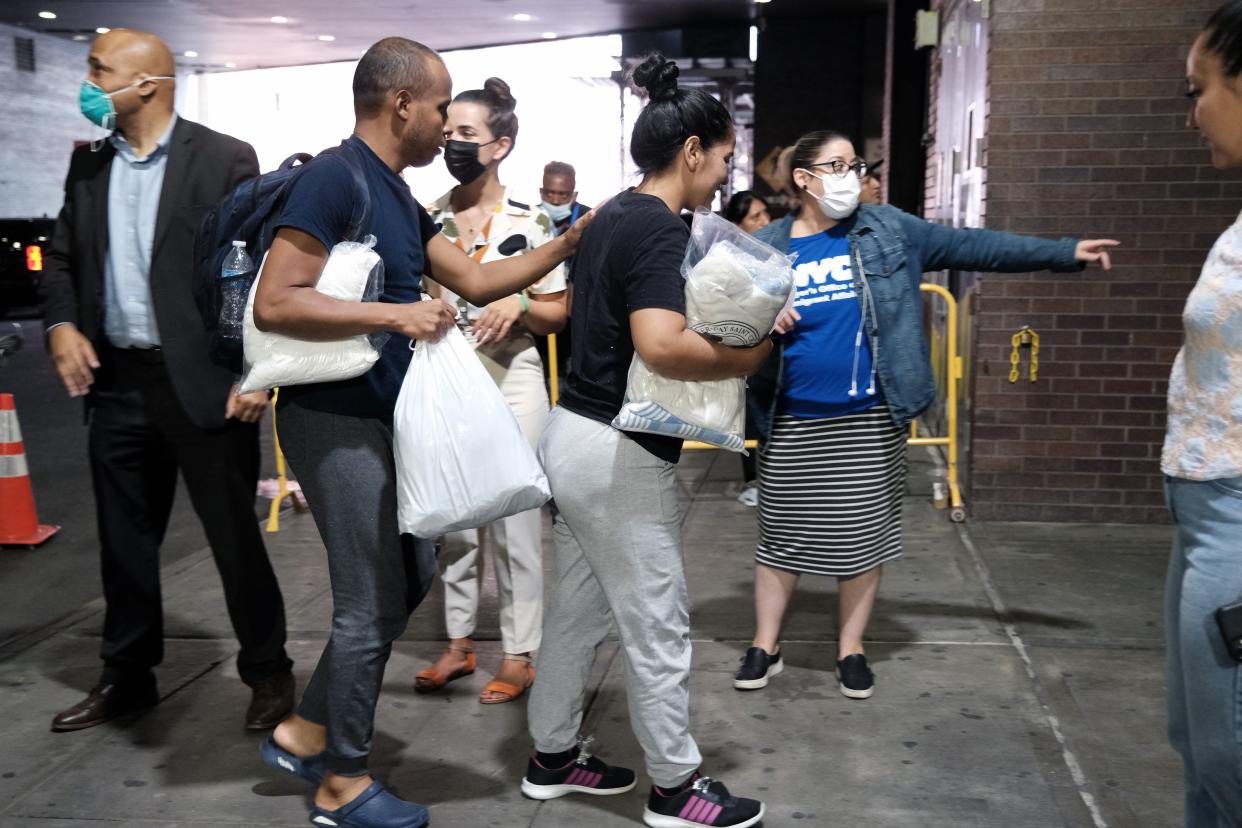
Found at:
[991, 251]
[483, 284]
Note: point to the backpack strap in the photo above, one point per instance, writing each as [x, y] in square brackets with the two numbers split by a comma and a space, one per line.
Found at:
[360, 220]
[299, 157]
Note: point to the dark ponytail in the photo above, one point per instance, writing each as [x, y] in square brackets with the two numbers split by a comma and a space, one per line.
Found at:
[496, 97]
[672, 116]
[1224, 36]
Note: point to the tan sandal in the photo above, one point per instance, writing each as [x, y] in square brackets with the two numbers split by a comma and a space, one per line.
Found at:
[508, 692]
[431, 679]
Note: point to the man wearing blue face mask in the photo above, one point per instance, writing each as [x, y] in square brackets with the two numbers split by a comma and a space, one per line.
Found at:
[559, 199]
[124, 334]
[560, 193]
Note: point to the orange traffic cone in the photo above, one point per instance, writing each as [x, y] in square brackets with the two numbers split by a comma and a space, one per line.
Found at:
[19, 525]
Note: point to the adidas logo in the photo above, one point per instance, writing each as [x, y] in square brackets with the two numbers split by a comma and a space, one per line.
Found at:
[287, 765]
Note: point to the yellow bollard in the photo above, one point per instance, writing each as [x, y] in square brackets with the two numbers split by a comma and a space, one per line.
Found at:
[554, 380]
[282, 478]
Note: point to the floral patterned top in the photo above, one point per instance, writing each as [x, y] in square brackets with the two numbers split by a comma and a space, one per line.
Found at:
[513, 228]
[1204, 437]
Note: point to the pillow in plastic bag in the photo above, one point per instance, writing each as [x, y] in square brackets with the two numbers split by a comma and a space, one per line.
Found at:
[354, 272]
[712, 411]
[736, 289]
[734, 298]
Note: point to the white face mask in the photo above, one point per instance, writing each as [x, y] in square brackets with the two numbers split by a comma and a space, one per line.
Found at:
[841, 194]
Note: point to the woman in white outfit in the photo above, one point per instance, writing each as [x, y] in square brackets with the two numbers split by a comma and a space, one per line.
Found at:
[482, 218]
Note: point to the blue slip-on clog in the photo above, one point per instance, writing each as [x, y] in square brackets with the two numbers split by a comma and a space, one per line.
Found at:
[373, 808]
[308, 768]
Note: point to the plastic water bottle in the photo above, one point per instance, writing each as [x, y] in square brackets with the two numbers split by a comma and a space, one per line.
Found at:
[940, 488]
[235, 278]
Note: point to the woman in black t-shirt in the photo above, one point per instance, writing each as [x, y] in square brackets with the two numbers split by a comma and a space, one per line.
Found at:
[618, 527]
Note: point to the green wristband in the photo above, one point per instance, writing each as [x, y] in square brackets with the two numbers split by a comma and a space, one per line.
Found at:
[525, 302]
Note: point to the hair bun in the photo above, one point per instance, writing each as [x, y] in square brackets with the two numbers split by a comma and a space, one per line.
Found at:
[498, 92]
[658, 75]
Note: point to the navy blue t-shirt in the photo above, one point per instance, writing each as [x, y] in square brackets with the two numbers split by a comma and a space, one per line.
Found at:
[321, 204]
[820, 351]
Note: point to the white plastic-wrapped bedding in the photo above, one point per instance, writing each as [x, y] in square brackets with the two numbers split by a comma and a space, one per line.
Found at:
[736, 288]
[354, 272]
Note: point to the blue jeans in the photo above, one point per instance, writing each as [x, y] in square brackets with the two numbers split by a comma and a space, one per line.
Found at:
[1205, 684]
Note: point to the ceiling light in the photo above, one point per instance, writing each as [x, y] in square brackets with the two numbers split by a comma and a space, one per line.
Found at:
[522, 17]
[327, 38]
[763, 1]
[230, 65]
[280, 19]
[190, 54]
[549, 35]
[46, 15]
[102, 30]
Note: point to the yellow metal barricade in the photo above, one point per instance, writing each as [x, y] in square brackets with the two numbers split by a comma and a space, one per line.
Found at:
[695, 445]
[952, 373]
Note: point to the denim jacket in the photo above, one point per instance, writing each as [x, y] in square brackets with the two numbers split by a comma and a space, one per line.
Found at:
[889, 252]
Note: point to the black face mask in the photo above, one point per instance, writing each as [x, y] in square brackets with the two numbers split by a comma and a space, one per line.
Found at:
[462, 160]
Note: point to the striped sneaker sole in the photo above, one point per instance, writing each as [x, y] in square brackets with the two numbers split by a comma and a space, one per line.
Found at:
[574, 784]
[694, 816]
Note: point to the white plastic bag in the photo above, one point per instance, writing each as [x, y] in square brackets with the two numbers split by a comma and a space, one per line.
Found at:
[354, 272]
[736, 289]
[462, 460]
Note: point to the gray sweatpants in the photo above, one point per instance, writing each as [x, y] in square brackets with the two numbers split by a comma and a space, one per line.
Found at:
[618, 559]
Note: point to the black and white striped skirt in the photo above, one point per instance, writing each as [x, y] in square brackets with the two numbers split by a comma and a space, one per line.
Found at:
[830, 493]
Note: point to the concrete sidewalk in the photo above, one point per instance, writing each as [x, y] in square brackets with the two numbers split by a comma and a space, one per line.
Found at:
[1019, 684]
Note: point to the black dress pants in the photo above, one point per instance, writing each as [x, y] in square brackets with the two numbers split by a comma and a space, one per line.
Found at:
[140, 437]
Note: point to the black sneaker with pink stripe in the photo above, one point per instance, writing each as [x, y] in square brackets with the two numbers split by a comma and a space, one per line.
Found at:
[583, 773]
[702, 802]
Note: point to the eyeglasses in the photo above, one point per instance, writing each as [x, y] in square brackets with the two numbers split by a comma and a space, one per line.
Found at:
[840, 168]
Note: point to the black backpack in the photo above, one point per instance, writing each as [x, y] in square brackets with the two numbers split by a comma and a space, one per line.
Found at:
[249, 213]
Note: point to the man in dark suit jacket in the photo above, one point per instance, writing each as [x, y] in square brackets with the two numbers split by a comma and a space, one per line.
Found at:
[124, 332]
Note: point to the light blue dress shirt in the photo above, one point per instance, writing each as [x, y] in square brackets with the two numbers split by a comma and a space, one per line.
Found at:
[133, 200]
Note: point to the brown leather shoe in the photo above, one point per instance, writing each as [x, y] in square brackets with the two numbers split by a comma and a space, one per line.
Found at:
[104, 703]
[271, 702]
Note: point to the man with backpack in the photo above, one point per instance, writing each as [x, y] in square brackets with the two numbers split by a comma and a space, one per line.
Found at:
[338, 436]
[124, 332]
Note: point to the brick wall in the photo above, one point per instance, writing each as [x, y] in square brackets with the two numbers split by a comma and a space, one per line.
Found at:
[1086, 136]
[41, 121]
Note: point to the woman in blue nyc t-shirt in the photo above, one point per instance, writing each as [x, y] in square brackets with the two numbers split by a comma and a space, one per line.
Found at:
[828, 366]
[854, 372]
